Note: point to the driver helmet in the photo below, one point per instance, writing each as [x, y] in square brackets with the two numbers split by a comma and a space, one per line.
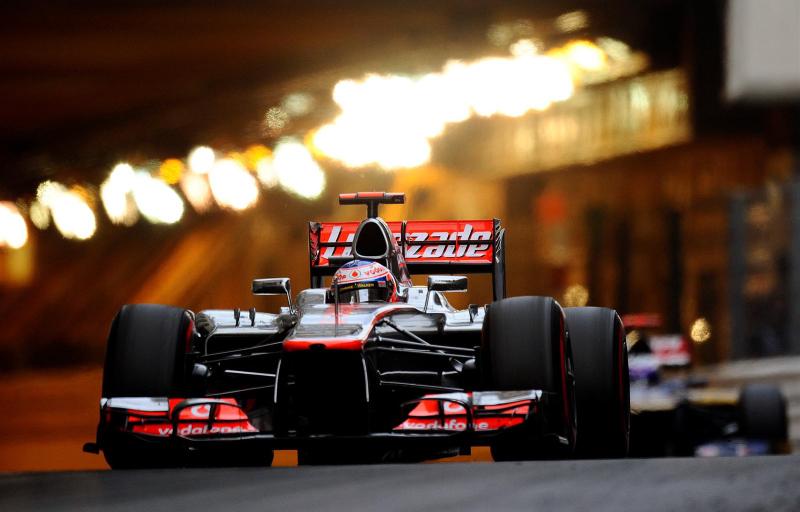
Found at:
[364, 281]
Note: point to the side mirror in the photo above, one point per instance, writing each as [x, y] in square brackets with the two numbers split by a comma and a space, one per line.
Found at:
[447, 283]
[444, 284]
[273, 286]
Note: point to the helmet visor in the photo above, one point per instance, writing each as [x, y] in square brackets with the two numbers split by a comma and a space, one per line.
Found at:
[370, 291]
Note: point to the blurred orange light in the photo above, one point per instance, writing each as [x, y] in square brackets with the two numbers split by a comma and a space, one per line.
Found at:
[86, 194]
[308, 142]
[576, 295]
[171, 171]
[700, 331]
[254, 154]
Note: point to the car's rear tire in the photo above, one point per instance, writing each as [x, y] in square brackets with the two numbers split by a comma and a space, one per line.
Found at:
[602, 381]
[145, 357]
[762, 413]
[524, 346]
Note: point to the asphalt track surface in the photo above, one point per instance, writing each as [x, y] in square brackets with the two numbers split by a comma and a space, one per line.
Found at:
[757, 483]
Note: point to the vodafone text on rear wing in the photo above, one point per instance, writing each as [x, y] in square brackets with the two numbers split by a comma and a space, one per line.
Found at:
[428, 247]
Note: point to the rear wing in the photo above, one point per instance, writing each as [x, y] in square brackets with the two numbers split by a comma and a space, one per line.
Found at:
[428, 247]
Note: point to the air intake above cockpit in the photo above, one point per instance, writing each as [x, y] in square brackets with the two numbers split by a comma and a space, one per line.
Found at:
[373, 240]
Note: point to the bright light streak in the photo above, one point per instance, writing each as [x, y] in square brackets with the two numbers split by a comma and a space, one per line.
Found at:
[389, 121]
[296, 169]
[13, 230]
[72, 216]
[197, 191]
[115, 193]
[158, 202]
[232, 185]
[201, 159]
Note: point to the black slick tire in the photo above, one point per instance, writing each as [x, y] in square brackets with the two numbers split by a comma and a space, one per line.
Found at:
[602, 385]
[762, 414]
[524, 347]
[145, 357]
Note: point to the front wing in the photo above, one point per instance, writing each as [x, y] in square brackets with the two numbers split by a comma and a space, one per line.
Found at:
[452, 419]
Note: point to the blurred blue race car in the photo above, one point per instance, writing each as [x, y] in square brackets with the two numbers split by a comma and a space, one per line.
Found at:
[677, 414]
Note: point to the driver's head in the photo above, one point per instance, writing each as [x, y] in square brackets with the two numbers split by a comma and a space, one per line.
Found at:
[364, 281]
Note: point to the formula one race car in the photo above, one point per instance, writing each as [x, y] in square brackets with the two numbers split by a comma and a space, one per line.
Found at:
[369, 368]
[677, 413]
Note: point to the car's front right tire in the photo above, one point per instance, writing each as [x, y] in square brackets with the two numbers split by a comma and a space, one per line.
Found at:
[145, 357]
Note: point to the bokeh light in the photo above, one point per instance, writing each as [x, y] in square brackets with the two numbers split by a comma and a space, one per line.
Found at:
[201, 159]
[524, 47]
[232, 185]
[115, 194]
[572, 21]
[700, 332]
[197, 191]
[72, 215]
[576, 295]
[585, 54]
[171, 171]
[265, 170]
[255, 154]
[13, 229]
[503, 33]
[298, 104]
[632, 338]
[296, 170]
[275, 120]
[157, 202]
[39, 215]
